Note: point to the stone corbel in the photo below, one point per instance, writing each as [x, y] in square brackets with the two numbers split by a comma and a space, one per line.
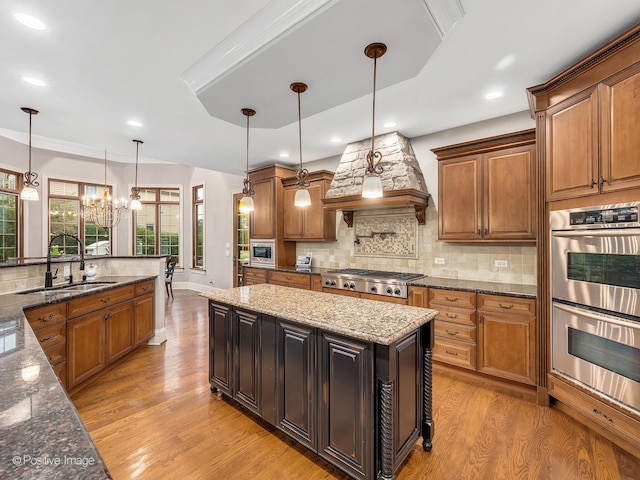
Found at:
[347, 216]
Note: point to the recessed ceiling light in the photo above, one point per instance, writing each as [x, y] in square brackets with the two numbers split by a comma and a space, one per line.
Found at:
[284, 154]
[389, 124]
[134, 123]
[29, 21]
[505, 62]
[34, 81]
[336, 140]
[493, 95]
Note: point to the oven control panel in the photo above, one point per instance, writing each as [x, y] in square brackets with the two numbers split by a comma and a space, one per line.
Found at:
[623, 215]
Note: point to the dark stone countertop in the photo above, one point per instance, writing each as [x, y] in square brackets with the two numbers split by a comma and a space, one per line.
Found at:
[41, 433]
[491, 288]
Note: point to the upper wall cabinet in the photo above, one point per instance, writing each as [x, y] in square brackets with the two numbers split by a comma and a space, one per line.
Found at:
[487, 189]
[312, 223]
[588, 119]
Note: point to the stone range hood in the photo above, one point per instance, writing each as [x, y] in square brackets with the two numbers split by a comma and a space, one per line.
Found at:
[402, 179]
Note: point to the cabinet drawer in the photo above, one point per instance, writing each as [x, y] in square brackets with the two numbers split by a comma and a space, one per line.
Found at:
[605, 416]
[91, 303]
[506, 304]
[455, 331]
[455, 298]
[456, 353]
[385, 298]
[286, 279]
[45, 316]
[462, 316]
[344, 293]
[252, 276]
[56, 353]
[144, 287]
[52, 334]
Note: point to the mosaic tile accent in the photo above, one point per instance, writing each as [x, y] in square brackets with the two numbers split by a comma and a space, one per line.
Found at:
[385, 236]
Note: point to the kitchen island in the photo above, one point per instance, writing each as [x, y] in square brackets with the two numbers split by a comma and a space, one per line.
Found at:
[348, 378]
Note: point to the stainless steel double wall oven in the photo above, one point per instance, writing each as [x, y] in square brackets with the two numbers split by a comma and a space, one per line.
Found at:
[595, 287]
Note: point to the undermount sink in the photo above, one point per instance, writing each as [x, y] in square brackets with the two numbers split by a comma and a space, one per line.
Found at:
[71, 287]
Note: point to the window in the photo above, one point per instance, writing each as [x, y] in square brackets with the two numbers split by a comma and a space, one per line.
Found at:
[65, 203]
[10, 215]
[198, 227]
[157, 224]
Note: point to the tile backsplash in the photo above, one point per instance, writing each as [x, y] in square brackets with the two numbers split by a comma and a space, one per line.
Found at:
[418, 252]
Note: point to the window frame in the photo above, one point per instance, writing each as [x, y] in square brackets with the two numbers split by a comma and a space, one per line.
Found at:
[195, 203]
[19, 207]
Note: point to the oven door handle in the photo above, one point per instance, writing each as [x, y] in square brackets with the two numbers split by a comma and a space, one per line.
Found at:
[618, 232]
[595, 316]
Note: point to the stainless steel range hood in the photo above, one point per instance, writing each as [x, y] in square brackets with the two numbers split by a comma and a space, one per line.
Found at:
[402, 178]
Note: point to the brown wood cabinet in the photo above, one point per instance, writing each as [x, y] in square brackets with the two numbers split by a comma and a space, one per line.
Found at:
[86, 351]
[592, 140]
[290, 279]
[49, 324]
[488, 190]
[418, 297]
[144, 315]
[119, 325]
[507, 337]
[253, 275]
[312, 223]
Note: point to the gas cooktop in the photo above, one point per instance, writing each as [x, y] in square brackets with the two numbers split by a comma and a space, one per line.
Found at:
[377, 282]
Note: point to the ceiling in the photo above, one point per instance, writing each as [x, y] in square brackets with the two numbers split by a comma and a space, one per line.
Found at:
[185, 69]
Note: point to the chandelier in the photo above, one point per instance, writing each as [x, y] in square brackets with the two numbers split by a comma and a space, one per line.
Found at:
[246, 202]
[103, 211]
[372, 185]
[302, 198]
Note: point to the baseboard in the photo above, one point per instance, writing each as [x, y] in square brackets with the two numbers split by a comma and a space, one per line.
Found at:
[196, 287]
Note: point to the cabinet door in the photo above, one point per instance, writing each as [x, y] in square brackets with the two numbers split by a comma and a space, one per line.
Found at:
[296, 405]
[247, 360]
[263, 217]
[144, 319]
[506, 347]
[294, 216]
[572, 147]
[119, 320]
[418, 297]
[620, 142]
[346, 409]
[220, 347]
[509, 194]
[460, 201]
[314, 214]
[85, 335]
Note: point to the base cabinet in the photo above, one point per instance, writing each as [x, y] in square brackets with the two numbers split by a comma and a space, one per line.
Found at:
[119, 323]
[86, 357]
[359, 405]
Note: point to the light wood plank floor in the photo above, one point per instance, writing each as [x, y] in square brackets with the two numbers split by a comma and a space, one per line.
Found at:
[153, 417]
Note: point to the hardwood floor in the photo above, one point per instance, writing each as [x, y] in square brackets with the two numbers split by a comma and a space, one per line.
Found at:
[153, 417]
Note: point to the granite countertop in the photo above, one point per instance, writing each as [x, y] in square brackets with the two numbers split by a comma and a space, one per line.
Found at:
[369, 320]
[41, 434]
[516, 290]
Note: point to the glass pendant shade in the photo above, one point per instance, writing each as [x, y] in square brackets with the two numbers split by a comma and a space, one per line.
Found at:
[135, 204]
[29, 193]
[302, 198]
[246, 204]
[372, 187]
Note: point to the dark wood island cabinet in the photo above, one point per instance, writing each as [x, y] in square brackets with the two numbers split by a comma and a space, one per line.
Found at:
[350, 379]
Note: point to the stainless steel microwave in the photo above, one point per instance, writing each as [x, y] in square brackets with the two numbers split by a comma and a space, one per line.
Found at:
[263, 253]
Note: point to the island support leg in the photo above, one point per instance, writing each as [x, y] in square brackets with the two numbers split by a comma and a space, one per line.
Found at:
[386, 369]
[427, 391]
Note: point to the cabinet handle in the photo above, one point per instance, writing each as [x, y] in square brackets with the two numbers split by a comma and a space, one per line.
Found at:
[46, 319]
[481, 319]
[451, 352]
[506, 306]
[484, 232]
[451, 299]
[42, 340]
[107, 316]
[600, 412]
[105, 300]
[448, 315]
[592, 183]
[450, 333]
[51, 358]
[479, 232]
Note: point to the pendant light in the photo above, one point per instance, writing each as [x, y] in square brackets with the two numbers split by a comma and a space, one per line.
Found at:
[246, 202]
[135, 191]
[302, 198]
[372, 185]
[29, 191]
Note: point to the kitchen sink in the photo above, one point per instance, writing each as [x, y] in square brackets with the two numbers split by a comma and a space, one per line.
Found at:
[68, 288]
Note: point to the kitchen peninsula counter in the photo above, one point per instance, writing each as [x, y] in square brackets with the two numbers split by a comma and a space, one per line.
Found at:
[41, 434]
[348, 378]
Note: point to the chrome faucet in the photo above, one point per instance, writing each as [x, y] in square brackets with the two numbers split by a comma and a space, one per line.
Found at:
[48, 276]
